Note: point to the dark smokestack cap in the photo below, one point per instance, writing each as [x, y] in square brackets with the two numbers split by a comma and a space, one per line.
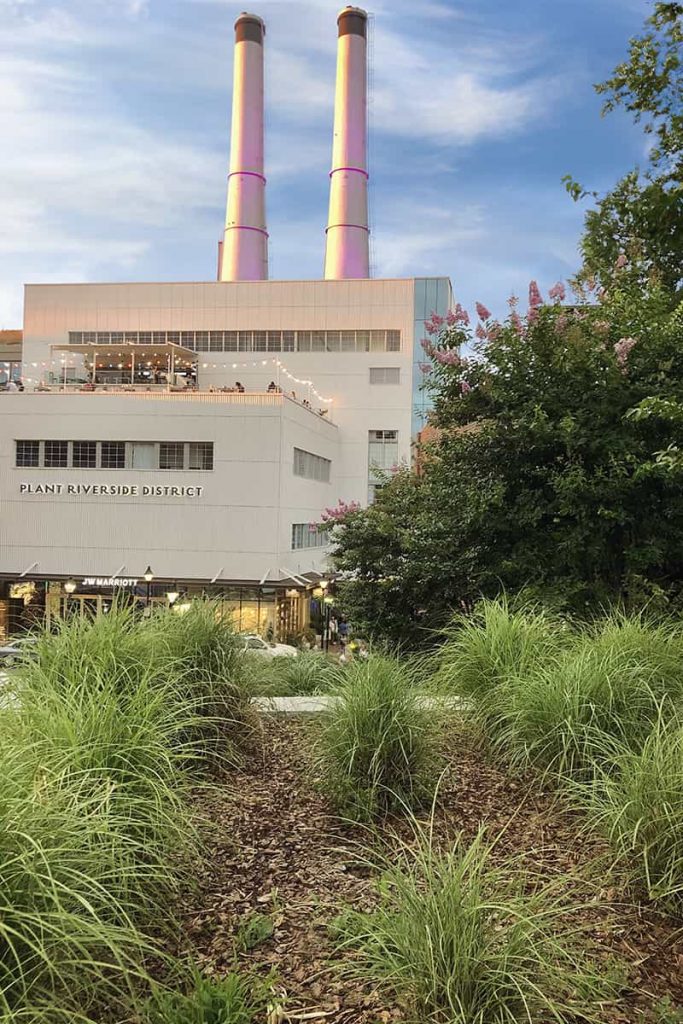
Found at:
[249, 28]
[352, 21]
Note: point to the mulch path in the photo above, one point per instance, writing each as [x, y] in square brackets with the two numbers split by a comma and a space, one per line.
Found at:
[281, 863]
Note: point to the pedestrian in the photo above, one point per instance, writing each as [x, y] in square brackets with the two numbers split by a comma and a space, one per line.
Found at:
[11, 385]
[272, 386]
[239, 386]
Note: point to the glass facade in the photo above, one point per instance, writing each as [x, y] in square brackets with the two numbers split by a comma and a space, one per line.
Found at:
[432, 295]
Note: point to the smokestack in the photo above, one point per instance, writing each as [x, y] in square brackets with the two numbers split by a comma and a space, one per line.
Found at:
[347, 249]
[243, 254]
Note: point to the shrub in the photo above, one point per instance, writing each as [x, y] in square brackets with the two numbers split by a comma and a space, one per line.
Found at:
[640, 808]
[377, 746]
[463, 942]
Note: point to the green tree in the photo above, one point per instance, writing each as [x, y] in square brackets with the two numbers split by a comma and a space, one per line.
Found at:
[642, 216]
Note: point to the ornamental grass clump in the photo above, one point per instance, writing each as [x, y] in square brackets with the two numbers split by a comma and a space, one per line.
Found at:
[638, 804]
[95, 833]
[482, 651]
[605, 691]
[377, 749]
[233, 999]
[208, 664]
[311, 672]
[460, 941]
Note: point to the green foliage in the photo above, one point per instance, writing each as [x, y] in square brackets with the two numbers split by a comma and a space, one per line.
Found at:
[229, 1000]
[600, 710]
[256, 929]
[643, 218]
[462, 941]
[377, 746]
[103, 731]
[638, 803]
[309, 673]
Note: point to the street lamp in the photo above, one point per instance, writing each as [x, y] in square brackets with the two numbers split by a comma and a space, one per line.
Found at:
[149, 576]
[69, 588]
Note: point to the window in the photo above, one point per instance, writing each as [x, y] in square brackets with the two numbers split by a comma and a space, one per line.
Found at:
[260, 341]
[113, 455]
[28, 453]
[143, 455]
[201, 455]
[393, 341]
[385, 375]
[312, 467]
[307, 535]
[171, 455]
[215, 341]
[84, 455]
[56, 454]
[251, 341]
[382, 459]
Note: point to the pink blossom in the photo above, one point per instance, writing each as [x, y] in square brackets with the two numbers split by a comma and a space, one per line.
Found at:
[437, 320]
[482, 312]
[494, 331]
[516, 321]
[425, 367]
[561, 324]
[558, 292]
[427, 346]
[340, 511]
[621, 262]
[465, 388]
[512, 301]
[535, 298]
[622, 349]
[457, 316]
[430, 328]
[448, 358]
[480, 332]
[532, 315]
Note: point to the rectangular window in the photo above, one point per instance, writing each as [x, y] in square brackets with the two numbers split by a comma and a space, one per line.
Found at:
[259, 341]
[202, 341]
[288, 341]
[382, 459]
[385, 375]
[304, 341]
[56, 454]
[231, 341]
[113, 455]
[274, 341]
[84, 455]
[377, 341]
[362, 341]
[145, 337]
[75, 337]
[28, 453]
[158, 337]
[143, 455]
[333, 341]
[216, 341]
[348, 341]
[131, 337]
[201, 455]
[310, 466]
[171, 455]
[306, 535]
[318, 341]
[393, 341]
[244, 341]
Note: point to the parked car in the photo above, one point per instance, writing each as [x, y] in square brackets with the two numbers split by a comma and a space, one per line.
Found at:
[257, 645]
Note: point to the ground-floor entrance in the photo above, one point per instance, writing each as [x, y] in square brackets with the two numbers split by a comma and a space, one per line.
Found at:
[279, 612]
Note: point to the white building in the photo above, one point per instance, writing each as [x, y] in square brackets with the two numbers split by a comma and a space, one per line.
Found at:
[123, 452]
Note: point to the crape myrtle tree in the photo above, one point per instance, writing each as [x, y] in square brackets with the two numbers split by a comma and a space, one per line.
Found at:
[558, 469]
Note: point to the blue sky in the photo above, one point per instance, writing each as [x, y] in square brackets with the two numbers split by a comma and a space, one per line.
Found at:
[114, 131]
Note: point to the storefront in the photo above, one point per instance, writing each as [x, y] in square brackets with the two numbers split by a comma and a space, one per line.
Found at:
[279, 612]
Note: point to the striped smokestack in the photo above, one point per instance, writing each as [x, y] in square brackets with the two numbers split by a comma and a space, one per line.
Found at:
[244, 250]
[347, 250]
